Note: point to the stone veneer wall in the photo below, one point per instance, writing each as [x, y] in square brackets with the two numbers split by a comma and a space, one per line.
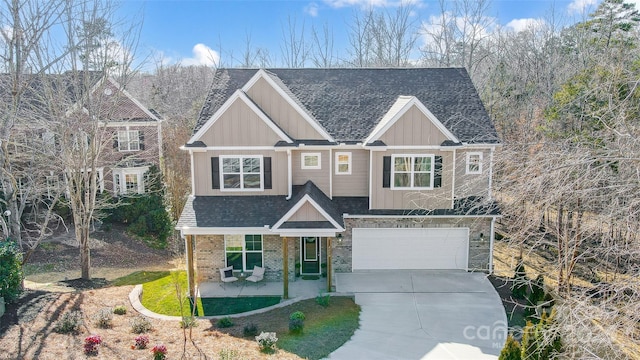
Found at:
[478, 250]
[209, 256]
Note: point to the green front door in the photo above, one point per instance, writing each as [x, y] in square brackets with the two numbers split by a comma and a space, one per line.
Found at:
[310, 255]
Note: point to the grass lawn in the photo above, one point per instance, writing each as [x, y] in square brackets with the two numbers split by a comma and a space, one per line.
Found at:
[323, 334]
[139, 277]
[226, 306]
[160, 295]
[325, 329]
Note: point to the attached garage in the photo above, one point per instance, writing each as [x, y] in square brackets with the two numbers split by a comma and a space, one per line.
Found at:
[423, 248]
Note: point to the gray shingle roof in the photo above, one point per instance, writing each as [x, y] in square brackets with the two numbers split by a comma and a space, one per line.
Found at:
[349, 102]
[257, 211]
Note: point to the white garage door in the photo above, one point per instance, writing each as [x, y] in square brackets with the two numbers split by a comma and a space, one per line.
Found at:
[425, 248]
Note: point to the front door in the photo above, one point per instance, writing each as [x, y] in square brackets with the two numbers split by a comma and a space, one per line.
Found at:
[310, 255]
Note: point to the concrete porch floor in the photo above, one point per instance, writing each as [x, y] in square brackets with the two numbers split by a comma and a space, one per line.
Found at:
[297, 288]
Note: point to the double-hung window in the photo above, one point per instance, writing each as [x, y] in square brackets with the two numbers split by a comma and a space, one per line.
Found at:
[412, 171]
[243, 252]
[128, 140]
[474, 163]
[241, 172]
[310, 161]
[343, 163]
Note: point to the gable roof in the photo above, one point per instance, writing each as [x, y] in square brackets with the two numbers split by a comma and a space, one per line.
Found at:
[70, 89]
[242, 96]
[349, 103]
[399, 108]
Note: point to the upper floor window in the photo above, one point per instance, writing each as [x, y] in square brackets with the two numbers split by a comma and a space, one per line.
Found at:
[343, 163]
[310, 161]
[128, 140]
[241, 172]
[474, 163]
[412, 171]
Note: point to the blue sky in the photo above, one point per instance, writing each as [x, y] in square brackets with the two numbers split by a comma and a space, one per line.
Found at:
[188, 31]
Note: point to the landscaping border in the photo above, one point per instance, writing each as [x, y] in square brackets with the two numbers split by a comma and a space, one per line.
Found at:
[136, 293]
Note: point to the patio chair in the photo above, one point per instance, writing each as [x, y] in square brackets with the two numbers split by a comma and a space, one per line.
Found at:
[257, 276]
[226, 276]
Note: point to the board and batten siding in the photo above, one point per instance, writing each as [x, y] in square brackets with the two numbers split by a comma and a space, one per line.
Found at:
[387, 198]
[472, 184]
[307, 213]
[413, 128]
[356, 183]
[240, 126]
[282, 113]
[202, 165]
[320, 177]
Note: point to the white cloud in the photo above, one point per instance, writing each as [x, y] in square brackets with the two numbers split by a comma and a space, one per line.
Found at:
[581, 6]
[518, 25]
[370, 3]
[312, 9]
[202, 55]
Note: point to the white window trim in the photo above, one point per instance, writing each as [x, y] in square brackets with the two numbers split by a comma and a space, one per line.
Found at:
[468, 163]
[241, 157]
[245, 251]
[129, 140]
[121, 189]
[411, 187]
[338, 163]
[304, 167]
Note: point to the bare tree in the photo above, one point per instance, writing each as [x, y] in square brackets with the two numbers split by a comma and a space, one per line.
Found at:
[322, 53]
[82, 131]
[294, 49]
[28, 185]
[382, 38]
[455, 38]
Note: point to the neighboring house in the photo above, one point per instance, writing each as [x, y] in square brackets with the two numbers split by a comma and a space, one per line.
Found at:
[338, 170]
[133, 133]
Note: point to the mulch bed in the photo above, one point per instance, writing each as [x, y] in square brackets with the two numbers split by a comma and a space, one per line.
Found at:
[515, 308]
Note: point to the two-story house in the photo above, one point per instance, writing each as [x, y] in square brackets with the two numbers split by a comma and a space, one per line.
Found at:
[339, 170]
[131, 133]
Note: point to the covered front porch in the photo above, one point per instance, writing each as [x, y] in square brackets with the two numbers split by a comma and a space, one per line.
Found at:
[297, 289]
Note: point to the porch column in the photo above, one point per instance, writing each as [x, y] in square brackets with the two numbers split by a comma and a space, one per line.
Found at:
[329, 251]
[190, 269]
[285, 268]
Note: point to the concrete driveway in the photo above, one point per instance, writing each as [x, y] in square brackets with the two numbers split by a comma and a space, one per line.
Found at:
[419, 314]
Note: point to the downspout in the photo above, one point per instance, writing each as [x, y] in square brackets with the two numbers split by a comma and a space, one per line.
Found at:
[491, 240]
[453, 179]
[491, 171]
[193, 175]
[160, 153]
[331, 174]
[370, 176]
[289, 174]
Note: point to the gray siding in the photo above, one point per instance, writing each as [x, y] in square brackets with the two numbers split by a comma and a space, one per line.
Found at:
[320, 177]
[281, 111]
[240, 126]
[357, 183]
[413, 128]
[202, 164]
[386, 198]
[471, 184]
[307, 213]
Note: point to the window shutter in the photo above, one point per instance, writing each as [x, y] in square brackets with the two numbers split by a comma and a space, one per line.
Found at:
[141, 140]
[437, 179]
[215, 173]
[115, 141]
[386, 171]
[267, 172]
